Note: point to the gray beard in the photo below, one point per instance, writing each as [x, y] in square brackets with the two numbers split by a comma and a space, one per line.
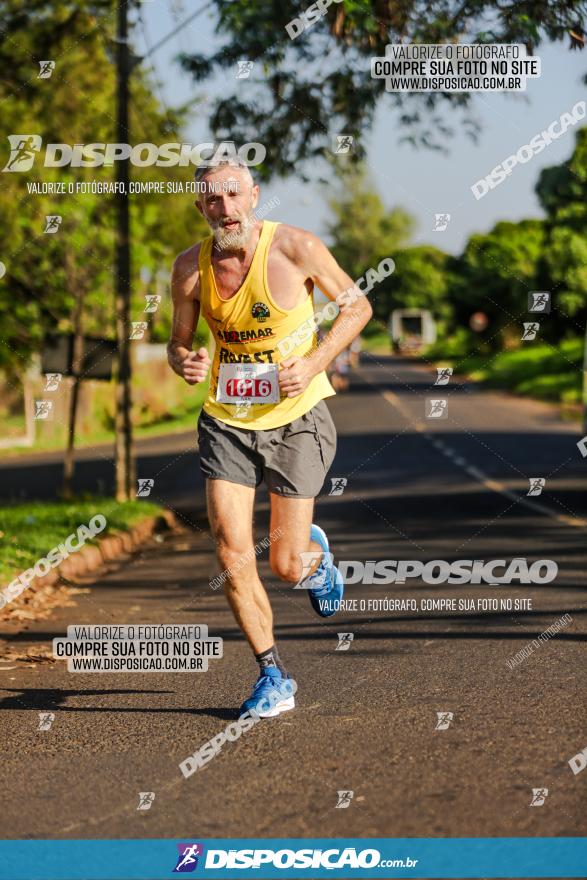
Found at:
[231, 239]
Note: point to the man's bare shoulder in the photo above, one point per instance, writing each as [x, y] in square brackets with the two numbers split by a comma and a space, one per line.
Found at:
[185, 273]
[297, 244]
[189, 257]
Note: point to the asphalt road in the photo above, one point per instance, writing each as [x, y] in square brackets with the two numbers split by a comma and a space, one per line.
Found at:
[366, 718]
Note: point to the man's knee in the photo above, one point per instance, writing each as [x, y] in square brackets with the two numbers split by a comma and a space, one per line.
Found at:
[233, 555]
[286, 566]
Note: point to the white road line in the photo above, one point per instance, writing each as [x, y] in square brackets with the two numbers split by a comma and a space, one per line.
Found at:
[477, 473]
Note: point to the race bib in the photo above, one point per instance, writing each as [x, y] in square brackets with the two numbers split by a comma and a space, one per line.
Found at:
[248, 383]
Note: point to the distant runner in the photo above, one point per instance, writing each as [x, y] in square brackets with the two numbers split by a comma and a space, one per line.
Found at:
[340, 371]
[265, 417]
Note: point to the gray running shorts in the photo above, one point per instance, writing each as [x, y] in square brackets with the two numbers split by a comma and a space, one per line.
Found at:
[293, 460]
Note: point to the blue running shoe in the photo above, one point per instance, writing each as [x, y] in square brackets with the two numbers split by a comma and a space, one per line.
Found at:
[326, 586]
[271, 695]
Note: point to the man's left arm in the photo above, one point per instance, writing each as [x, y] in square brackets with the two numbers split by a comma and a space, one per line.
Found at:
[318, 264]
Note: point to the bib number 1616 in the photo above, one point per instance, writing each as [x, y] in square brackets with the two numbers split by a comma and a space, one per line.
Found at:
[248, 387]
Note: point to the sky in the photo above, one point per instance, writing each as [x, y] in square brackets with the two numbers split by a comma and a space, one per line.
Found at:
[422, 181]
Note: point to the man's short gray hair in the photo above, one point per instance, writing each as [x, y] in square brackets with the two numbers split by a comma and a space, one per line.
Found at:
[206, 168]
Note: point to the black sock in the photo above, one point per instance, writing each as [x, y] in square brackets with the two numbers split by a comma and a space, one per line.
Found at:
[270, 657]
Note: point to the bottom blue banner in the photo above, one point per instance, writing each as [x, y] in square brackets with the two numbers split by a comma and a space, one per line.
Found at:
[300, 857]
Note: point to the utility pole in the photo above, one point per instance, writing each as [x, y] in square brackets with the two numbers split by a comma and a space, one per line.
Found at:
[76, 286]
[124, 457]
[585, 385]
[125, 61]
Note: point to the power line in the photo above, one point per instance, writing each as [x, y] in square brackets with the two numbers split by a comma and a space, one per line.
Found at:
[158, 85]
[176, 11]
[180, 27]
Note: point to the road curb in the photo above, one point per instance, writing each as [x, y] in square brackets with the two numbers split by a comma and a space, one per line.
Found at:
[110, 548]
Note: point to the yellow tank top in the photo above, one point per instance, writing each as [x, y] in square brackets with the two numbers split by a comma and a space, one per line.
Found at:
[246, 329]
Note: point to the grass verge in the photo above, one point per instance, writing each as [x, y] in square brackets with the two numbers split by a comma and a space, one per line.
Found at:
[28, 531]
[540, 371]
[182, 418]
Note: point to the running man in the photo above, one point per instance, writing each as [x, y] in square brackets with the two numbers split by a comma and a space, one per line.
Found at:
[265, 417]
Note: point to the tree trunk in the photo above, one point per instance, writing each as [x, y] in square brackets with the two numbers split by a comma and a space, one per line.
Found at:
[77, 366]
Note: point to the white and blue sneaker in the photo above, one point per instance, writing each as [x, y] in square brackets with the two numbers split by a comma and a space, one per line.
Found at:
[273, 694]
[325, 586]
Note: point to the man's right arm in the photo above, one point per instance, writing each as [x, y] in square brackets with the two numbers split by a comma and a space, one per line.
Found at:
[191, 366]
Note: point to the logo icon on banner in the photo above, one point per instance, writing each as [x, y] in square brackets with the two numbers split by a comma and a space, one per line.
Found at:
[530, 330]
[244, 69]
[153, 300]
[437, 408]
[242, 410]
[52, 381]
[23, 148]
[43, 410]
[144, 487]
[187, 860]
[309, 558]
[46, 719]
[138, 329]
[537, 484]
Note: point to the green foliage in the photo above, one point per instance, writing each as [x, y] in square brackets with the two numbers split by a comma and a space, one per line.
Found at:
[28, 531]
[544, 371]
[421, 280]
[562, 191]
[363, 231]
[77, 105]
[455, 347]
[494, 275]
[315, 85]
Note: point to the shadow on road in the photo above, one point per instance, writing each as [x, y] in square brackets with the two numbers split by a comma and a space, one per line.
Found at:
[50, 698]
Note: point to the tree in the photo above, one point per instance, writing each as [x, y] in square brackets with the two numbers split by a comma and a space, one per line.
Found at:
[76, 105]
[496, 272]
[421, 280]
[562, 191]
[363, 231]
[323, 74]
[63, 282]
